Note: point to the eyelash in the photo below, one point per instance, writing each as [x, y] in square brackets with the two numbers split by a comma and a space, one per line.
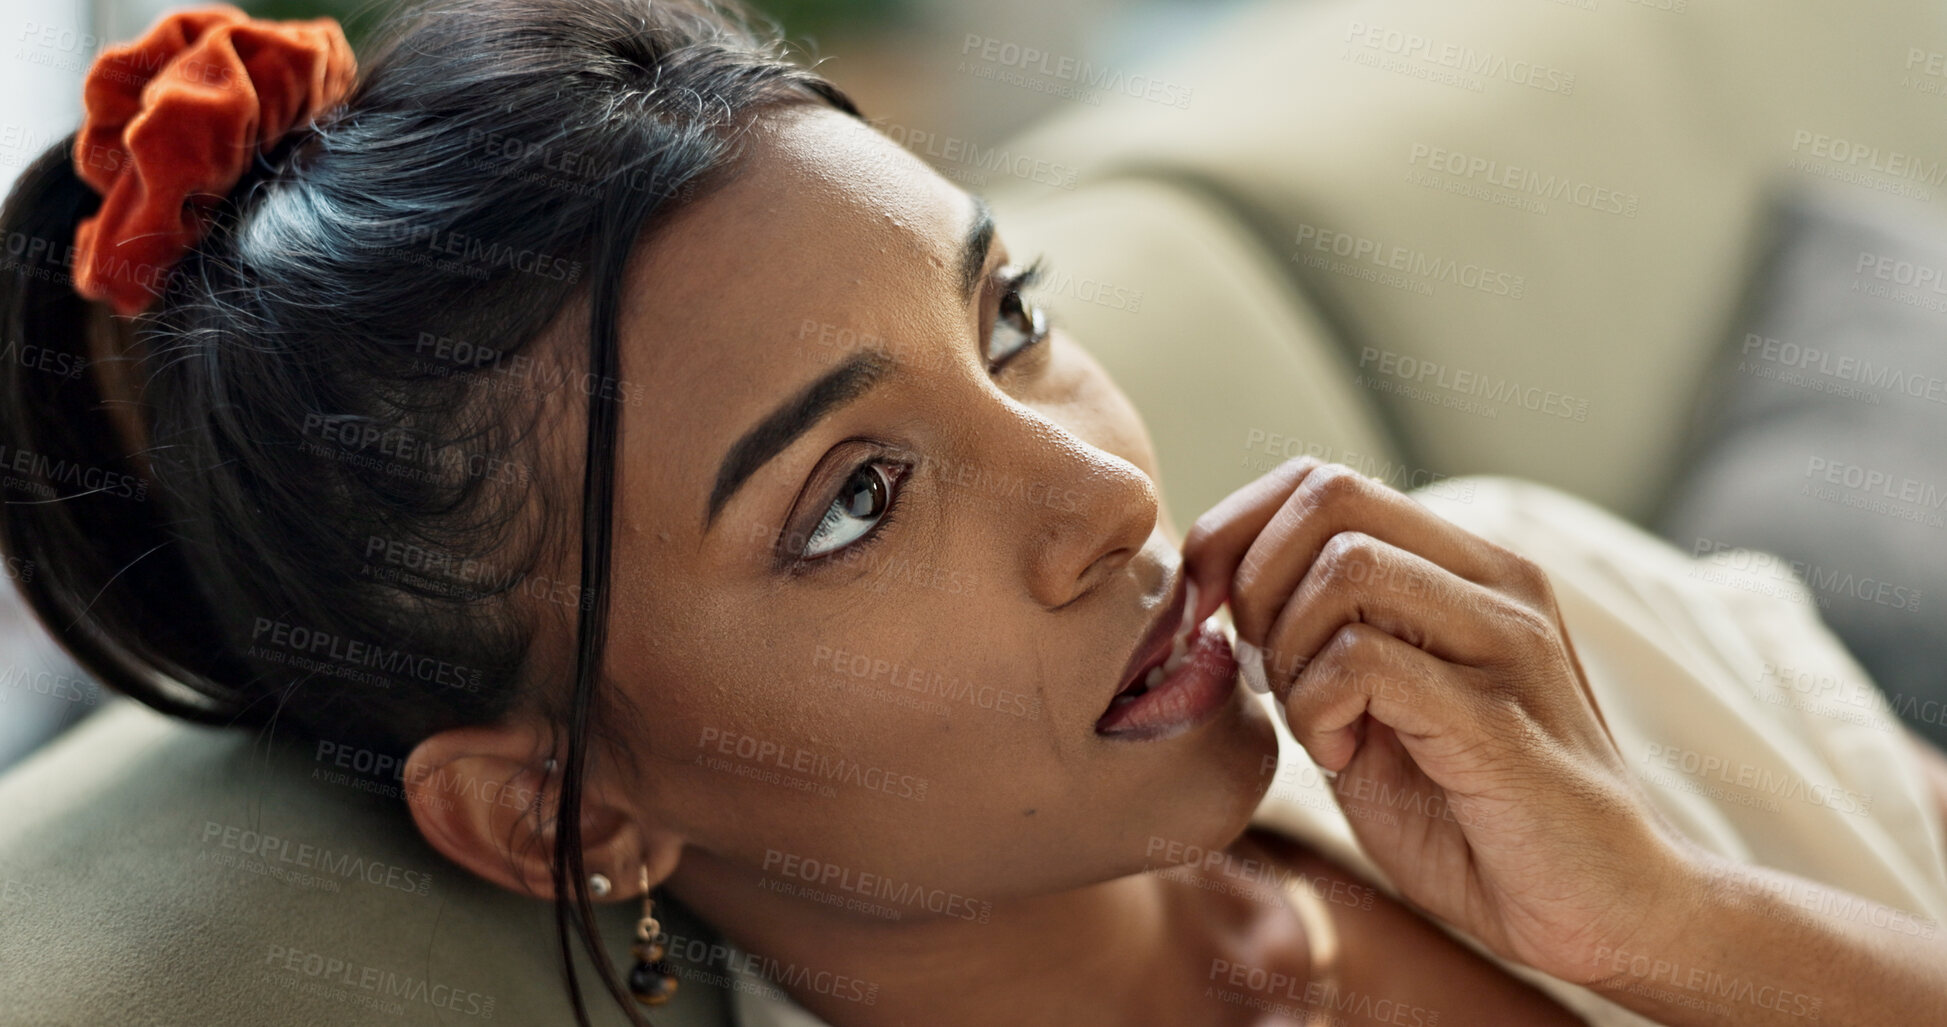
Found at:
[1014, 285]
[852, 550]
[799, 565]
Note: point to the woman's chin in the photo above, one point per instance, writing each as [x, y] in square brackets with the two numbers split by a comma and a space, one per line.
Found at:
[1221, 773]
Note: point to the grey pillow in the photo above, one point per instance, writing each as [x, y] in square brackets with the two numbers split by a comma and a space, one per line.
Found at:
[1822, 438]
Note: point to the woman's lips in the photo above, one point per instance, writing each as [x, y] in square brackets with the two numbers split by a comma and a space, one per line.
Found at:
[1158, 643]
[1177, 694]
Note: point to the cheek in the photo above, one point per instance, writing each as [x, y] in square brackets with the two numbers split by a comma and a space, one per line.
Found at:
[1076, 392]
[899, 740]
[875, 731]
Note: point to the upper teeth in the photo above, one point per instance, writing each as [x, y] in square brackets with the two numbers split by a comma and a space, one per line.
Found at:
[1179, 652]
[1180, 642]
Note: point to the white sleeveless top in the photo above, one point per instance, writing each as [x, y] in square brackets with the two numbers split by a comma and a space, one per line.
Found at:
[1745, 721]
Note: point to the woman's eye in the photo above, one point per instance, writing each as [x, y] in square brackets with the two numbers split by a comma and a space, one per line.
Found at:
[860, 506]
[1018, 324]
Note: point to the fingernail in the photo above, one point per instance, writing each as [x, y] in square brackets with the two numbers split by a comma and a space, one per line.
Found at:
[1203, 599]
[1250, 663]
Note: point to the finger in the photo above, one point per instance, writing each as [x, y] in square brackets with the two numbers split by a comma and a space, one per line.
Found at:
[1363, 671]
[1359, 579]
[1218, 538]
[1392, 804]
[1330, 499]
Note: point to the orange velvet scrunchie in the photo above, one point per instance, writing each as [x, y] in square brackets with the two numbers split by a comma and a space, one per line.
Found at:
[174, 119]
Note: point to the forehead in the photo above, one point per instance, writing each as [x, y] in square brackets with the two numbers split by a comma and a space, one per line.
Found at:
[826, 231]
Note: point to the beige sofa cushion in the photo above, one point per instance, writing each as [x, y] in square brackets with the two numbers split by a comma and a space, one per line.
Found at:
[152, 872]
[1526, 199]
[1232, 372]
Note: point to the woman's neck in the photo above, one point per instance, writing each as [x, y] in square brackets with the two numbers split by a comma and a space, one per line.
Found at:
[1142, 949]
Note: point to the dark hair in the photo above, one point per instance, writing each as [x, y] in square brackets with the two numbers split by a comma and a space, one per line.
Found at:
[341, 368]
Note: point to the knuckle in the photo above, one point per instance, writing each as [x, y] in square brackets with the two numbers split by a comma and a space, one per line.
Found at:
[1533, 628]
[1347, 650]
[1523, 574]
[1330, 484]
[1349, 556]
[1533, 621]
[1299, 466]
[1532, 577]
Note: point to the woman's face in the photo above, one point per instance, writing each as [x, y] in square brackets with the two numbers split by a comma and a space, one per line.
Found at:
[873, 620]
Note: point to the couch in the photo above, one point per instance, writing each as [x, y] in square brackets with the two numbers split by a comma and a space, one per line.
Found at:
[1423, 238]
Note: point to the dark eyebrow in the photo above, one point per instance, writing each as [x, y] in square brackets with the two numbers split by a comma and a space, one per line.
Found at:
[841, 385]
[973, 252]
[772, 435]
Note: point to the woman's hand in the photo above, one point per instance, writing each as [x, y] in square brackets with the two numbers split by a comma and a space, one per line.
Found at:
[1430, 669]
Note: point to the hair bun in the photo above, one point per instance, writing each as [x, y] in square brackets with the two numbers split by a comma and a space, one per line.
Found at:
[174, 119]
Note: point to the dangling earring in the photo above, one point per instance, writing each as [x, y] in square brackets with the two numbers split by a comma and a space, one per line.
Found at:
[598, 886]
[650, 981]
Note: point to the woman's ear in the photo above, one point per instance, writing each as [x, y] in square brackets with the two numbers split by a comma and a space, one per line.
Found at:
[484, 797]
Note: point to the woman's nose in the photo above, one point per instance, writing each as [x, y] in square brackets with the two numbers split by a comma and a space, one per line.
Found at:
[1084, 512]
